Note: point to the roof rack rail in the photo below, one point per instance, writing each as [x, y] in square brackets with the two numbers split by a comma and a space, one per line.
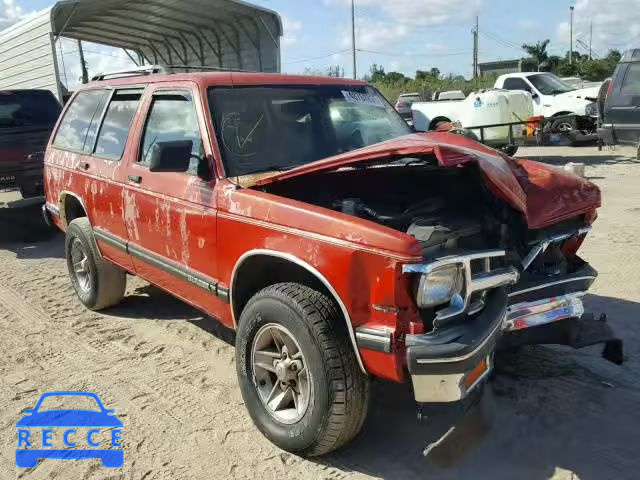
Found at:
[131, 72]
[163, 69]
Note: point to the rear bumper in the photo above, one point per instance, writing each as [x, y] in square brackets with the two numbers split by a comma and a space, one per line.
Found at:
[605, 132]
[448, 364]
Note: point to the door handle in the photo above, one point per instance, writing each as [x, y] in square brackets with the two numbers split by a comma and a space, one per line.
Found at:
[83, 166]
[135, 178]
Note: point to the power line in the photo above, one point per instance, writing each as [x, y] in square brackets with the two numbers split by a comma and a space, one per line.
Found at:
[405, 54]
[310, 59]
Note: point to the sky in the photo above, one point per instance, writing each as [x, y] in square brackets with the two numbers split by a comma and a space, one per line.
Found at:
[405, 35]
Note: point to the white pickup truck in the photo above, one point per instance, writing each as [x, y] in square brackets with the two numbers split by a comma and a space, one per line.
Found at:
[553, 97]
[478, 109]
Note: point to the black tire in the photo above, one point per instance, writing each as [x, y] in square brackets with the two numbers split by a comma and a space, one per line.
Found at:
[510, 150]
[602, 96]
[107, 281]
[339, 389]
[564, 125]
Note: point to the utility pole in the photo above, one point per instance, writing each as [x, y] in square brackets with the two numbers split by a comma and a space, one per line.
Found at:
[475, 50]
[83, 64]
[590, 38]
[353, 37]
[571, 36]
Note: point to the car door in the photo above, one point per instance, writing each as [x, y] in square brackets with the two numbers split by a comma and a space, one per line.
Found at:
[90, 145]
[623, 104]
[517, 83]
[171, 216]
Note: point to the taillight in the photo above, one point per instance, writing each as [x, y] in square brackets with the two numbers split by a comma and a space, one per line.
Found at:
[609, 89]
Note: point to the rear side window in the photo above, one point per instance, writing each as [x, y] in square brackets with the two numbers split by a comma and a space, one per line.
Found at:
[28, 108]
[172, 117]
[631, 82]
[117, 122]
[74, 128]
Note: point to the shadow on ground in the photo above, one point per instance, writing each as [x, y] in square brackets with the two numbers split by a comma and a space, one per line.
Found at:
[23, 231]
[550, 411]
[152, 302]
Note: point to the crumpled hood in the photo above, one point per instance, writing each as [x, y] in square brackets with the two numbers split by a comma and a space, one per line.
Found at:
[544, 195]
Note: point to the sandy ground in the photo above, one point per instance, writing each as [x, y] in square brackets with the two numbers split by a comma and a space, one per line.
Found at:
[169, 374]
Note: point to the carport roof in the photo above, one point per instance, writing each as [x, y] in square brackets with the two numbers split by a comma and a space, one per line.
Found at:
[188, 32]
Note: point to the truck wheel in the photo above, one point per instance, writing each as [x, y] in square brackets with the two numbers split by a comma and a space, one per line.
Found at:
[510, 150]
[98, 282]
[297, 371]
[564, 125]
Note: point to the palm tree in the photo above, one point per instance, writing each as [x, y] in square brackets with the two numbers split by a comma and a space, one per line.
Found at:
[538, 51]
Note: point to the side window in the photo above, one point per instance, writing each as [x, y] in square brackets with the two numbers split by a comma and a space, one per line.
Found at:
[631, 83]
[516, 84]
[172, 117]
[117, 122]
[74, 129]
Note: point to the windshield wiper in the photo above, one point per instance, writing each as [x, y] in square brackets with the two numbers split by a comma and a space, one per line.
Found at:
[272, 168]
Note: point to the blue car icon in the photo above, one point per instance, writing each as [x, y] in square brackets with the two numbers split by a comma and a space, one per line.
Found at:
[104, 418]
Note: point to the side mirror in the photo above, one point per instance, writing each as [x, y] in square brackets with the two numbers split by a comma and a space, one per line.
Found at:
[534, 95]
[171, 156]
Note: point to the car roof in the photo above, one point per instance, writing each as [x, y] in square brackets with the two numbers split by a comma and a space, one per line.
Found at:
[631, 55]
[207, 79]
[416, 94]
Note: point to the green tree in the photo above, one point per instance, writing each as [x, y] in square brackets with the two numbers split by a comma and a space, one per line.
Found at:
[376, 73]
[595, 70]
[335, 71]
[435, 73]
[395, 77]
[537, 51]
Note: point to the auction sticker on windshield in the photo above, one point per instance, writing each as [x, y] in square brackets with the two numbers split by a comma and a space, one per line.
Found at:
[363, 98]
[84, 429]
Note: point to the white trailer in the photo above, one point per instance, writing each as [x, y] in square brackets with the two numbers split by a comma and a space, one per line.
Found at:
[221, 34]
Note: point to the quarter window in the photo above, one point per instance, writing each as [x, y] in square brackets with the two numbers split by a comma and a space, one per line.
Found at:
[172, 117]
[117, 122]
[631, 82]
[74, 128]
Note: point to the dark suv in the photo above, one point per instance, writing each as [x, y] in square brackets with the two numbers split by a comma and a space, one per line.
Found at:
[619, 102]
[26, 120]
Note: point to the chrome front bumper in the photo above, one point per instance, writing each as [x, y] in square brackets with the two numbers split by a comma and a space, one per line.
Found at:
[448, 364]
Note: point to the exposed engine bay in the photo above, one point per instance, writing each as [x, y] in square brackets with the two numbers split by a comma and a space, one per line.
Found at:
[448, 210]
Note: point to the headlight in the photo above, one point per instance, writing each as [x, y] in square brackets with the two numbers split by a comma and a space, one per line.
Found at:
[591, 109]
[439, 286]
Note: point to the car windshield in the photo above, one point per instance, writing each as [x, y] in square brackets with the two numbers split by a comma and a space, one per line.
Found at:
[549, 84]
[271, 128]
[28, 108]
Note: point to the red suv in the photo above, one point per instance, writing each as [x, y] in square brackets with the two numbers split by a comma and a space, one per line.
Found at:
[304, 213]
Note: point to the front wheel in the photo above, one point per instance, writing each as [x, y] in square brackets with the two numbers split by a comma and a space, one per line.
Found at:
[297, 371]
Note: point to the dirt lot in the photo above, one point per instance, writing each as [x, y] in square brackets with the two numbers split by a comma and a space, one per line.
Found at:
[169, 374]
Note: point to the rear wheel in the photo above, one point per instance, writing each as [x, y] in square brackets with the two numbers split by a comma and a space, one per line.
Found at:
[98, 282]
[297, 371]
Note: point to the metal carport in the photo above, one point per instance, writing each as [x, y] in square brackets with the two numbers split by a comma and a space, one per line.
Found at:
[226, 34]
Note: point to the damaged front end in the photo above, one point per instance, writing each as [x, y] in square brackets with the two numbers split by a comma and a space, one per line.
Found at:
[499, 240]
